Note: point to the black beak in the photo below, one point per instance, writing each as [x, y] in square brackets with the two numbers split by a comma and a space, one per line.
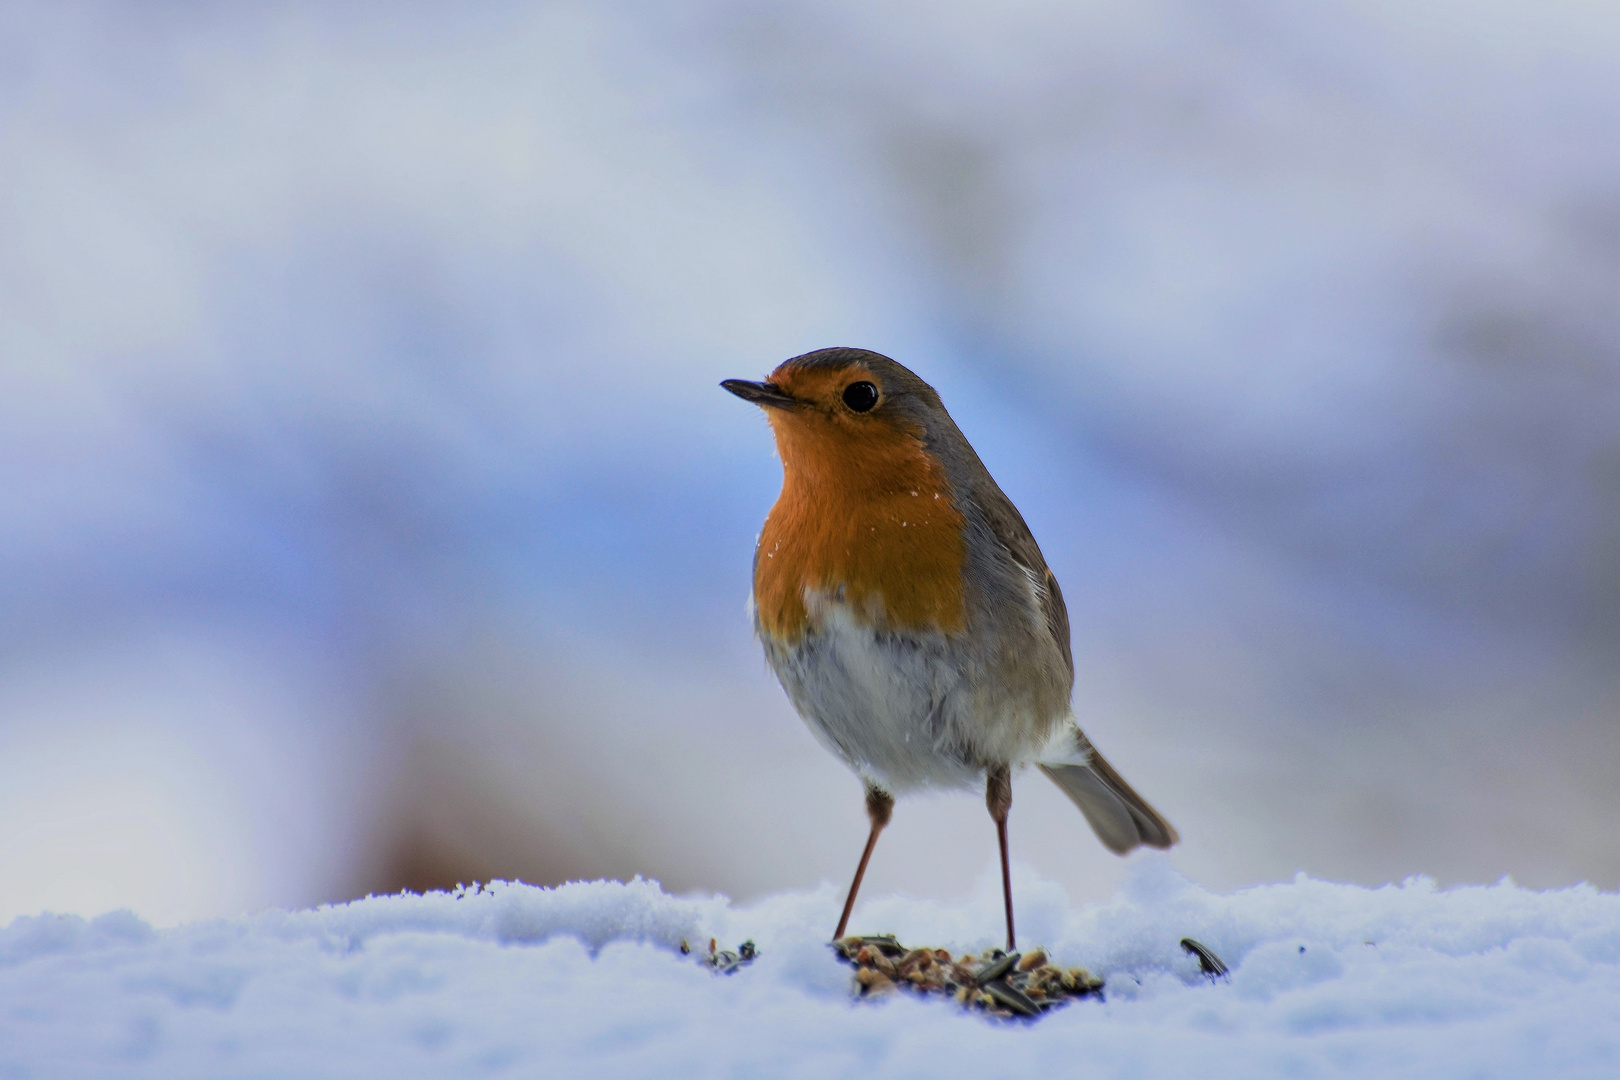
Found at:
[761, 393]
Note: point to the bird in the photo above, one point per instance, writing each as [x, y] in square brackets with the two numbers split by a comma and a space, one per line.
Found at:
[907, 611]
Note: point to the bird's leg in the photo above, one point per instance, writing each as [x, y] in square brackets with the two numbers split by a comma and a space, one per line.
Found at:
[879, 807]
[998, 797]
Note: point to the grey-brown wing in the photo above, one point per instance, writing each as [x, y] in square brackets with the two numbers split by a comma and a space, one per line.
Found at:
[1009, 528]
[1057, 618]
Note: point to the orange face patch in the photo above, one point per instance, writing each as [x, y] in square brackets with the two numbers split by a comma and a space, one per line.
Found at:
[865, 516]
[819, 385]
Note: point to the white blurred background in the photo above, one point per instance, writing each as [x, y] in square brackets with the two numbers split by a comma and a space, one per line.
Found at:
[370, 516]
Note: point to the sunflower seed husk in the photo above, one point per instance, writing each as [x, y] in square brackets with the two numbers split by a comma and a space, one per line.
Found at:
[995, 969]
[1011, 998]
[1208, 963]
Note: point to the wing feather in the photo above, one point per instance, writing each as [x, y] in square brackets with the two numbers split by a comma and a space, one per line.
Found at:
[1015, 538]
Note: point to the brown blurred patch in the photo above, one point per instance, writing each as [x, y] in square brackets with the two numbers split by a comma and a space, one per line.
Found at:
[454, 822]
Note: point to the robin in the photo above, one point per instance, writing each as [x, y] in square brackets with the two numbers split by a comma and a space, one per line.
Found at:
[907, 610]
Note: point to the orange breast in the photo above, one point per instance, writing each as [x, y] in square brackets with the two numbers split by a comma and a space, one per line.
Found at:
[865, 515]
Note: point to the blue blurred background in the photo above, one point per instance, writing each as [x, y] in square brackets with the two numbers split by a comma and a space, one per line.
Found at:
[371, 518]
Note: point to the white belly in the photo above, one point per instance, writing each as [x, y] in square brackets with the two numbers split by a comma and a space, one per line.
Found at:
[896, 706]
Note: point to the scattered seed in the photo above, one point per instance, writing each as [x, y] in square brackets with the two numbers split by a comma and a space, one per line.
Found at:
[1011, 998]
[724, 961]
[917, 959]
[1004, 986]
[1208, 963]
[873, 982]
[1032, 960]
[995, 969]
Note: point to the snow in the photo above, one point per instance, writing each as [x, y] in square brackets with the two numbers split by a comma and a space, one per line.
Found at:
[588, 979]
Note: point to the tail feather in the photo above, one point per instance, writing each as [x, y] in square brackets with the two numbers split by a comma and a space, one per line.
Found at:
[1120, 817]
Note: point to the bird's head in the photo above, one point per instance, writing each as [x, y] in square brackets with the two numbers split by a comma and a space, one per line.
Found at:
[843, 413]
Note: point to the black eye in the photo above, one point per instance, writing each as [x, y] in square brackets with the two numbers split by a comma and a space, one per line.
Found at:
[860, 396]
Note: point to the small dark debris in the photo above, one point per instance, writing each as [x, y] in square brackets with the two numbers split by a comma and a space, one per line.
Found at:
[1208, 963]
[1002, 985]
[726, 962]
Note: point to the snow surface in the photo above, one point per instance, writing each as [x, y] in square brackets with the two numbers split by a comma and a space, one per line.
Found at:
[587, 979]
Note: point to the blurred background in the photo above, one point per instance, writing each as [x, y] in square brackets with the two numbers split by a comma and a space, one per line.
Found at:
[370, 516]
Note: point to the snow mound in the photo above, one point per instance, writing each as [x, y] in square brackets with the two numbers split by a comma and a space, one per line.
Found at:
[588, 978]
